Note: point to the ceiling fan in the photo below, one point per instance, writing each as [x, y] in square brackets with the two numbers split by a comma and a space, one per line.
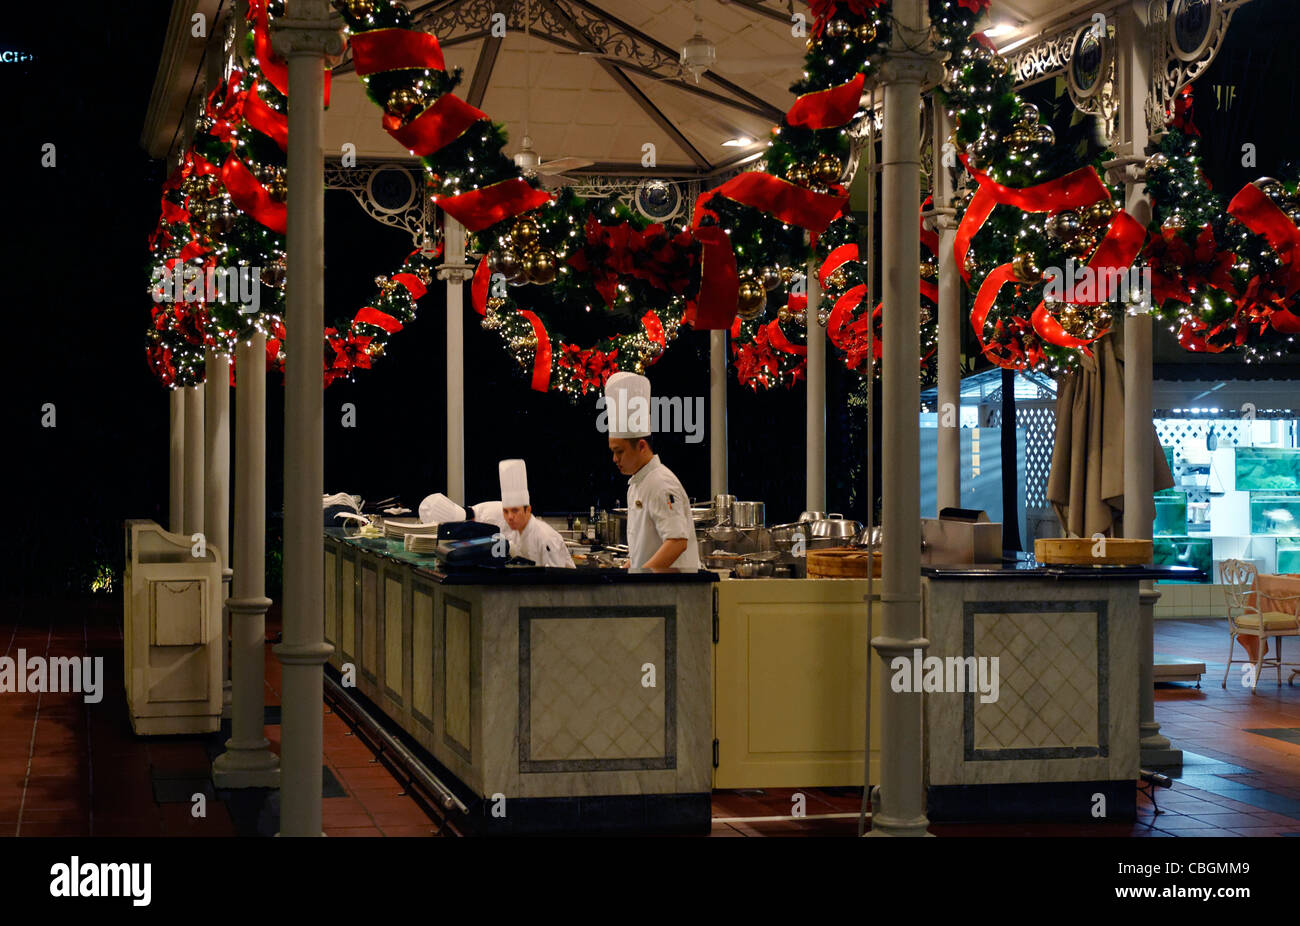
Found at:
[699, 55]
[526, 158]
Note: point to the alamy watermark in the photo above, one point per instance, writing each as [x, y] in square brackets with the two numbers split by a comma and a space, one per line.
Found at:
[1089, 286]
[642, 415]
[187, 283]
[917, 673]
[39, 674]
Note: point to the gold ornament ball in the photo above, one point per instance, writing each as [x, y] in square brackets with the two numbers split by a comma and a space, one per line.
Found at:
[838, 28]
[751, 298]
[787, 275]
[928, 270]
[424, 275]
[524, 234]
[1026, 268]
[969, 263]
[278, 190]
[823, 316]
[375, 349]
[783, 315]
[799, 175]
[1029, 115]
[1174, 222]
[1083, 243]
[403, 100]
[770, 278]
[359, 9]
[827, 169]
[837, 279]
[1293, 214]
[1099, 214]
[540, 267]
[1157, 161]
[1044, 135]
[1021, 138]
[810, 44]
[1271, 188]
[509, 265]
[865, 32]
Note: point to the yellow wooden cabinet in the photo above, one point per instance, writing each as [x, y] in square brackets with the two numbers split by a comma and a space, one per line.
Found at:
[790, 683]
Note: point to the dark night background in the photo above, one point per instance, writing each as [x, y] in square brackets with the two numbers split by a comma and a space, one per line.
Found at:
[75, 268]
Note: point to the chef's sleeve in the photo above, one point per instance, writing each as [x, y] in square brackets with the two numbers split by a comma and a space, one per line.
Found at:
[670, 511]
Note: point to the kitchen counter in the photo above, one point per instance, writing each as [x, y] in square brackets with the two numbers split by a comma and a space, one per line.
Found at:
[551, 700]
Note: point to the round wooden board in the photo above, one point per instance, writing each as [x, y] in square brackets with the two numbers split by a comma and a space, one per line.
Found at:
[1078, 551]
[842, 563]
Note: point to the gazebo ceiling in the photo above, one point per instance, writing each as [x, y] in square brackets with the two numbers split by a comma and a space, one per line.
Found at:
[605, 77]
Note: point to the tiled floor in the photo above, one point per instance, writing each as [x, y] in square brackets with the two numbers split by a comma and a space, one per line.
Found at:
[68, 768]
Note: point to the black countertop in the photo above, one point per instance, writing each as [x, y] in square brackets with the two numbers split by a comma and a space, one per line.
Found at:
[1029, 568]
[433, 567]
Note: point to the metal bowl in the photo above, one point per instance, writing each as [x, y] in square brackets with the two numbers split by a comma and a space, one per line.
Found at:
[812, 516]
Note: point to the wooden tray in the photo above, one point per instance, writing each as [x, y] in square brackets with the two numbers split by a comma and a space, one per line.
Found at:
[1078, 551]
[842, 563]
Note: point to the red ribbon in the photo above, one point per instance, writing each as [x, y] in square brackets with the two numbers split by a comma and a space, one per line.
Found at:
[273, 67]
[714, 306]
[438, 126]
[542, 356]
[1077, 189]
[266, 120]
[412, 284]
[478, 290]
[776, 337]
[844, 307]
[1262, 216]
[382, 320]
[251, 197]
[395, 50]
[793, 205]
[654, 329]
[984, 299]
[836, 259]
[1118, 250]
[827, 109]
[482, 208]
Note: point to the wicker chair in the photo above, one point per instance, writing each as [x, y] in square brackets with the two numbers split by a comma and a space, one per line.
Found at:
[1245, 619]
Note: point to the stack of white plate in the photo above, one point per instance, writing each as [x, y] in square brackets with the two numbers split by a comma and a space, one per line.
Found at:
[398, 528]
[421, 543]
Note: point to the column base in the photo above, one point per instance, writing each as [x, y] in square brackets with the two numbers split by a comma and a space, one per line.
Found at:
[1156, 751]
[246, 768]
[891, 826]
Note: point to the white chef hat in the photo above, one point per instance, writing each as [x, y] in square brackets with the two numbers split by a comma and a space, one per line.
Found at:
[627, 405]
[438, 507]
[514, 483]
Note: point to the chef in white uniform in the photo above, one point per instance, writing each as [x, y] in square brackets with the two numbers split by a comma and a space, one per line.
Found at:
[439, 509]
[490, 513]
[660, 530]
[532, 538]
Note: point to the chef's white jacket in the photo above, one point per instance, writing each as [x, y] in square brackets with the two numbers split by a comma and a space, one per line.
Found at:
[659, 509]
[541, 543]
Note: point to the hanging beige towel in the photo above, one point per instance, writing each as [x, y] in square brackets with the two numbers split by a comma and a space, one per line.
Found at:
[1086, 482]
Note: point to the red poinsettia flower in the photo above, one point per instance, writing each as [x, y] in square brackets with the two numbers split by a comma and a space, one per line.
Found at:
[975, 6]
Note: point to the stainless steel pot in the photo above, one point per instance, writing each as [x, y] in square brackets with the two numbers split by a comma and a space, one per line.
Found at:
[872, 539]
[722, 505]
[784, 535]
[812, 516]
[747, 514]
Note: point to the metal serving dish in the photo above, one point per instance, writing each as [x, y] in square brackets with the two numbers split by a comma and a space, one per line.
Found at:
[812, 516]
[836, 527]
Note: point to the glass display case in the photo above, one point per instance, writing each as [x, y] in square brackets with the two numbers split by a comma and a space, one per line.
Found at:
[1236, 491]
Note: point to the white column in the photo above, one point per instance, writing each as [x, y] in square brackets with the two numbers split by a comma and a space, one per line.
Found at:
[455, 271]
[247, 762]
[216, 489]
[306, 36]
[948, 461]
[193, 509]
[718, 412]
[176, 462]
[815, 494]
[902, 778]
[1139, 492]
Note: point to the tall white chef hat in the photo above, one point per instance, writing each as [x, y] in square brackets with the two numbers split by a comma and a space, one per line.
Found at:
[627, 405]
[438, 507]
[514, 483]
